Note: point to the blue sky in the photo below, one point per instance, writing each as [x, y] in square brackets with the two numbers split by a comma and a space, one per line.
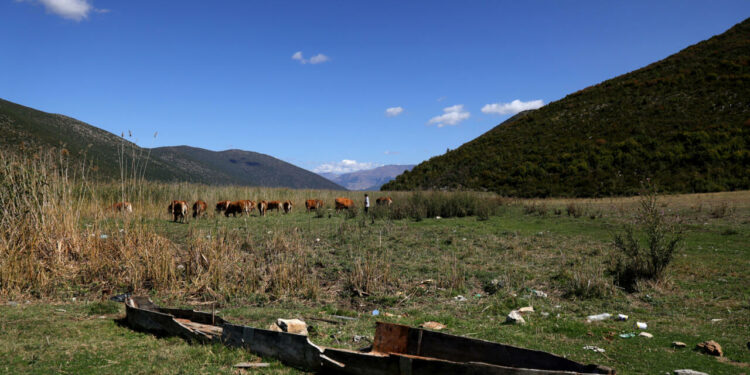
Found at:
[312, 82]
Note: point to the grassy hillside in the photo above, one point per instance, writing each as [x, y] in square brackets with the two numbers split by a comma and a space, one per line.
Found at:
[683, 122]
[24, 128]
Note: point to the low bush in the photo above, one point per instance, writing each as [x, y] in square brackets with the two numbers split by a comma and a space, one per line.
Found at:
[632, 261]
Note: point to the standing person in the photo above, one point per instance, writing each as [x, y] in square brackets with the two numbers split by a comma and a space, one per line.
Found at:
[367, 203]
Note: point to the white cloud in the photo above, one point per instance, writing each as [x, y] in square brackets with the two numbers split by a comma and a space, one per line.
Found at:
[512, 108]
[344, 166]
[394, 111]
[75, 10]
[389, 152]
[452, 116]
[317, 59]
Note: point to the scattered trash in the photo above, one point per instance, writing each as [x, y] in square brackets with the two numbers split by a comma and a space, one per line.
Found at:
[438, 217]
[622, 317]
[251, 365]
[679, 344]
[120, 297]
[641, 325]
[598, 317]
[459, 298]
[103, 236]
[269, 232]
[12, 303]
[478, 295]
[290, 326]
[463, 239]
[514, 317]
[710, 347]
[73, 299]
[432, 325]
[375, 312]
[593, 348]
[688, 372]
[61, 310]
[716, 320]
[539, 293]
[493, 286]
[180, 267]
[392, 315]
[527, 309]
[317, 240]
[646, 335]
[545, 314]
[627, 335]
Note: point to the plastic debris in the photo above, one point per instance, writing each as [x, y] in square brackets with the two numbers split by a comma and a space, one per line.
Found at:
[120, 297]
[515, 317]
[646, 335]
[641, 325]
[593, 348]
[104, 236]
[622, 317]
[375, 312]
[539, 293]
[627, 335]
[459, 298]
[251, 365]
[598, 317]
[688, 372]
[527, 309]
[679, 344]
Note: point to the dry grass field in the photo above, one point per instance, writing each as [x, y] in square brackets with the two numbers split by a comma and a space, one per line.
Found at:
[64, 252]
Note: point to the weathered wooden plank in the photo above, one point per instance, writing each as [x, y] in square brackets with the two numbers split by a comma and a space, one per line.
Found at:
[294, 350]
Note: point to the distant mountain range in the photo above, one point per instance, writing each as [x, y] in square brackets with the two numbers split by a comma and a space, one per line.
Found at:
[27, 128]
[370, 179]
[682, 122]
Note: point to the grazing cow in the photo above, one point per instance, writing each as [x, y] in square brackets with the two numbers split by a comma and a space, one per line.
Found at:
[179, 210]
[239, 207]
[287, 207]
[222, 206]
[313, 204]
[274, 205]
[343, 204]
[123, 207]
[384, 201]
[262, 206]
[199, 208]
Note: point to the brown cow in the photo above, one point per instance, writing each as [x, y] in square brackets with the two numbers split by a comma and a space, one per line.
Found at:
[313, 204]
[179, 210]
[199, 208]
[343, 204]
[384, 201]
[287, 206]
[274, 205]
[222, 206]
[123, 207]
[239, 207]
[262, 206]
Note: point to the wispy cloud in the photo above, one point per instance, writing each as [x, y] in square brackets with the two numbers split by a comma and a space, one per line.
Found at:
[394, 111]
[344, 166]
[512, 108]
[317, 59]
[75, 10]
[388, 152]
[452, 116]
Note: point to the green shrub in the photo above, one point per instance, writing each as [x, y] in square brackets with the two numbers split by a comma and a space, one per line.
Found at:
[634, 262]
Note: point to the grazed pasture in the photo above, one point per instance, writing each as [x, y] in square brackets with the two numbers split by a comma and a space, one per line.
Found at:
[60, 242]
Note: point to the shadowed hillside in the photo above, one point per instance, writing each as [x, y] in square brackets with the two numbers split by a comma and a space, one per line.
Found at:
[23, 128]
[683, 122]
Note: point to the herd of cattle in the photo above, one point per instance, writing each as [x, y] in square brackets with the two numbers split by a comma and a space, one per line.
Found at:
[179, 209]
